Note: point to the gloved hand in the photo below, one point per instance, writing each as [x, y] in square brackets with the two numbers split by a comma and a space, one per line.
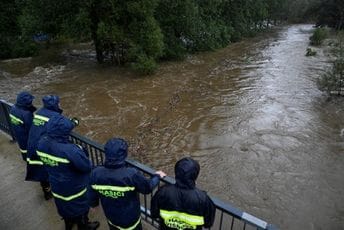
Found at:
[75, 121]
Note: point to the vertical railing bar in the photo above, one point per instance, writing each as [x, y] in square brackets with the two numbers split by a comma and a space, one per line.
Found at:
[244, 225]
[151, 196]
[96, 155]
[232, 223]
[145, 201]
[101, 157]
[221, 219]
[89, 149]
[93, 159]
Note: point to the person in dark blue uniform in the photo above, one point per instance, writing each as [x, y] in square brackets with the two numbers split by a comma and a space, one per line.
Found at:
[21, 115]
[35, 168]
[117, 186]
[182, 205]
[69, 169]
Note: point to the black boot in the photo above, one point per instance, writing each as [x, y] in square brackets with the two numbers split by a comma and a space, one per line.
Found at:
[68, 224]
[48, 195]
[93, 225]
[46, 190]
[84, 224]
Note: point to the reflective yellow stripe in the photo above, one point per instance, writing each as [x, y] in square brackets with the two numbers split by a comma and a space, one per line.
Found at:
[15, 119]
[68, 198]
[23, 151]
[31, 162]
[46, 119]
[113, 188]
[51, 157]
[129, 228]
[192, 220]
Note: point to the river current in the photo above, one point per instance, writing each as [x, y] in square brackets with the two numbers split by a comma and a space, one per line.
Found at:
[267, 139]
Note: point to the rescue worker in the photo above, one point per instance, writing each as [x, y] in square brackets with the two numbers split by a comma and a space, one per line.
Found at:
[21, 115]
[35, 169]
[118, 186]
[182, 205]
[69, 169]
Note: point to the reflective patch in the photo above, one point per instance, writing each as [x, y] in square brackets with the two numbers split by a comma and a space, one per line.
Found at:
[33, 162]
[112, 191]
[68, 198]
[23, 151]
[129, 228]
[15, 120]
[51, 160]
[39, 120]
[181, 220]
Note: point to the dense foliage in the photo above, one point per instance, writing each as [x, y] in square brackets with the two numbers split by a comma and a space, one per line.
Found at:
[319, 35]
[331, 13]
[141, 32]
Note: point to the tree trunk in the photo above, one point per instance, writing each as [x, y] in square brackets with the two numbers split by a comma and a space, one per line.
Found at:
[94, 27]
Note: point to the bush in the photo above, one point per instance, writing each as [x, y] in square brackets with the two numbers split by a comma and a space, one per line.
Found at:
[14, 47]
[319, 35]
[24, 48]
[310, 52]
[333, 79]
[145, 65]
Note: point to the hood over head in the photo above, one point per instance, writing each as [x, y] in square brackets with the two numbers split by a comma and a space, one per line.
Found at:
[186, 171]
[116, 151]
[24, 99]
[51, 102]
[59, 127]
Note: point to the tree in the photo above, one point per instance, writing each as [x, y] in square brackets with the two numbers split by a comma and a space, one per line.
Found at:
[331, 13]
[126, 31]
[179, 23]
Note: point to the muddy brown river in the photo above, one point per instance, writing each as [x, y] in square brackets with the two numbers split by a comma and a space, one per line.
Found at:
[267, 139]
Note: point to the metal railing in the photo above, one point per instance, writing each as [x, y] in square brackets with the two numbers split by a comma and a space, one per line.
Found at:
[227, 216]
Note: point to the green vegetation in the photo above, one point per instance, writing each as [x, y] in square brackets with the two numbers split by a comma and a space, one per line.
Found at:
[332, 81]
[330, 13]
[139, 33]
[310, 52]
[319, 35]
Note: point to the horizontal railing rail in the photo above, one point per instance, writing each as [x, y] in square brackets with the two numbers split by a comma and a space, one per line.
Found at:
[227, 216]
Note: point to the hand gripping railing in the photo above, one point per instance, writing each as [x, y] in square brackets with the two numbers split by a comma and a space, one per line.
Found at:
[227, 216]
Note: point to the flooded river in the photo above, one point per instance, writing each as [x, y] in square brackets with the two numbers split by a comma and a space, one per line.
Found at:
[267, 139]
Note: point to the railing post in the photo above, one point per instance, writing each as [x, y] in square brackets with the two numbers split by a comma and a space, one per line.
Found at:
[7, 117]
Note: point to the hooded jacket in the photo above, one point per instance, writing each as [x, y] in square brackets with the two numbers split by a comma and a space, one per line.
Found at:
[118, 186]
[21, 119]
[68, 167]
[35, 169]
[182, 205]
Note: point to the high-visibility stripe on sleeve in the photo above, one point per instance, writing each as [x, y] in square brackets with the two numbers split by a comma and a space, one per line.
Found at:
[69, 198]
[129, 228]
[192, 220]
[40, 117]
[51, 157]
[23, 151]
[112, 188]
[16, 120]
[34, 162]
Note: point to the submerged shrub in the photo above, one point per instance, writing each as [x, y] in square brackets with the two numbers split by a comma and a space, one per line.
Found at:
[310, 52]
[145, 65]
[319, 35]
